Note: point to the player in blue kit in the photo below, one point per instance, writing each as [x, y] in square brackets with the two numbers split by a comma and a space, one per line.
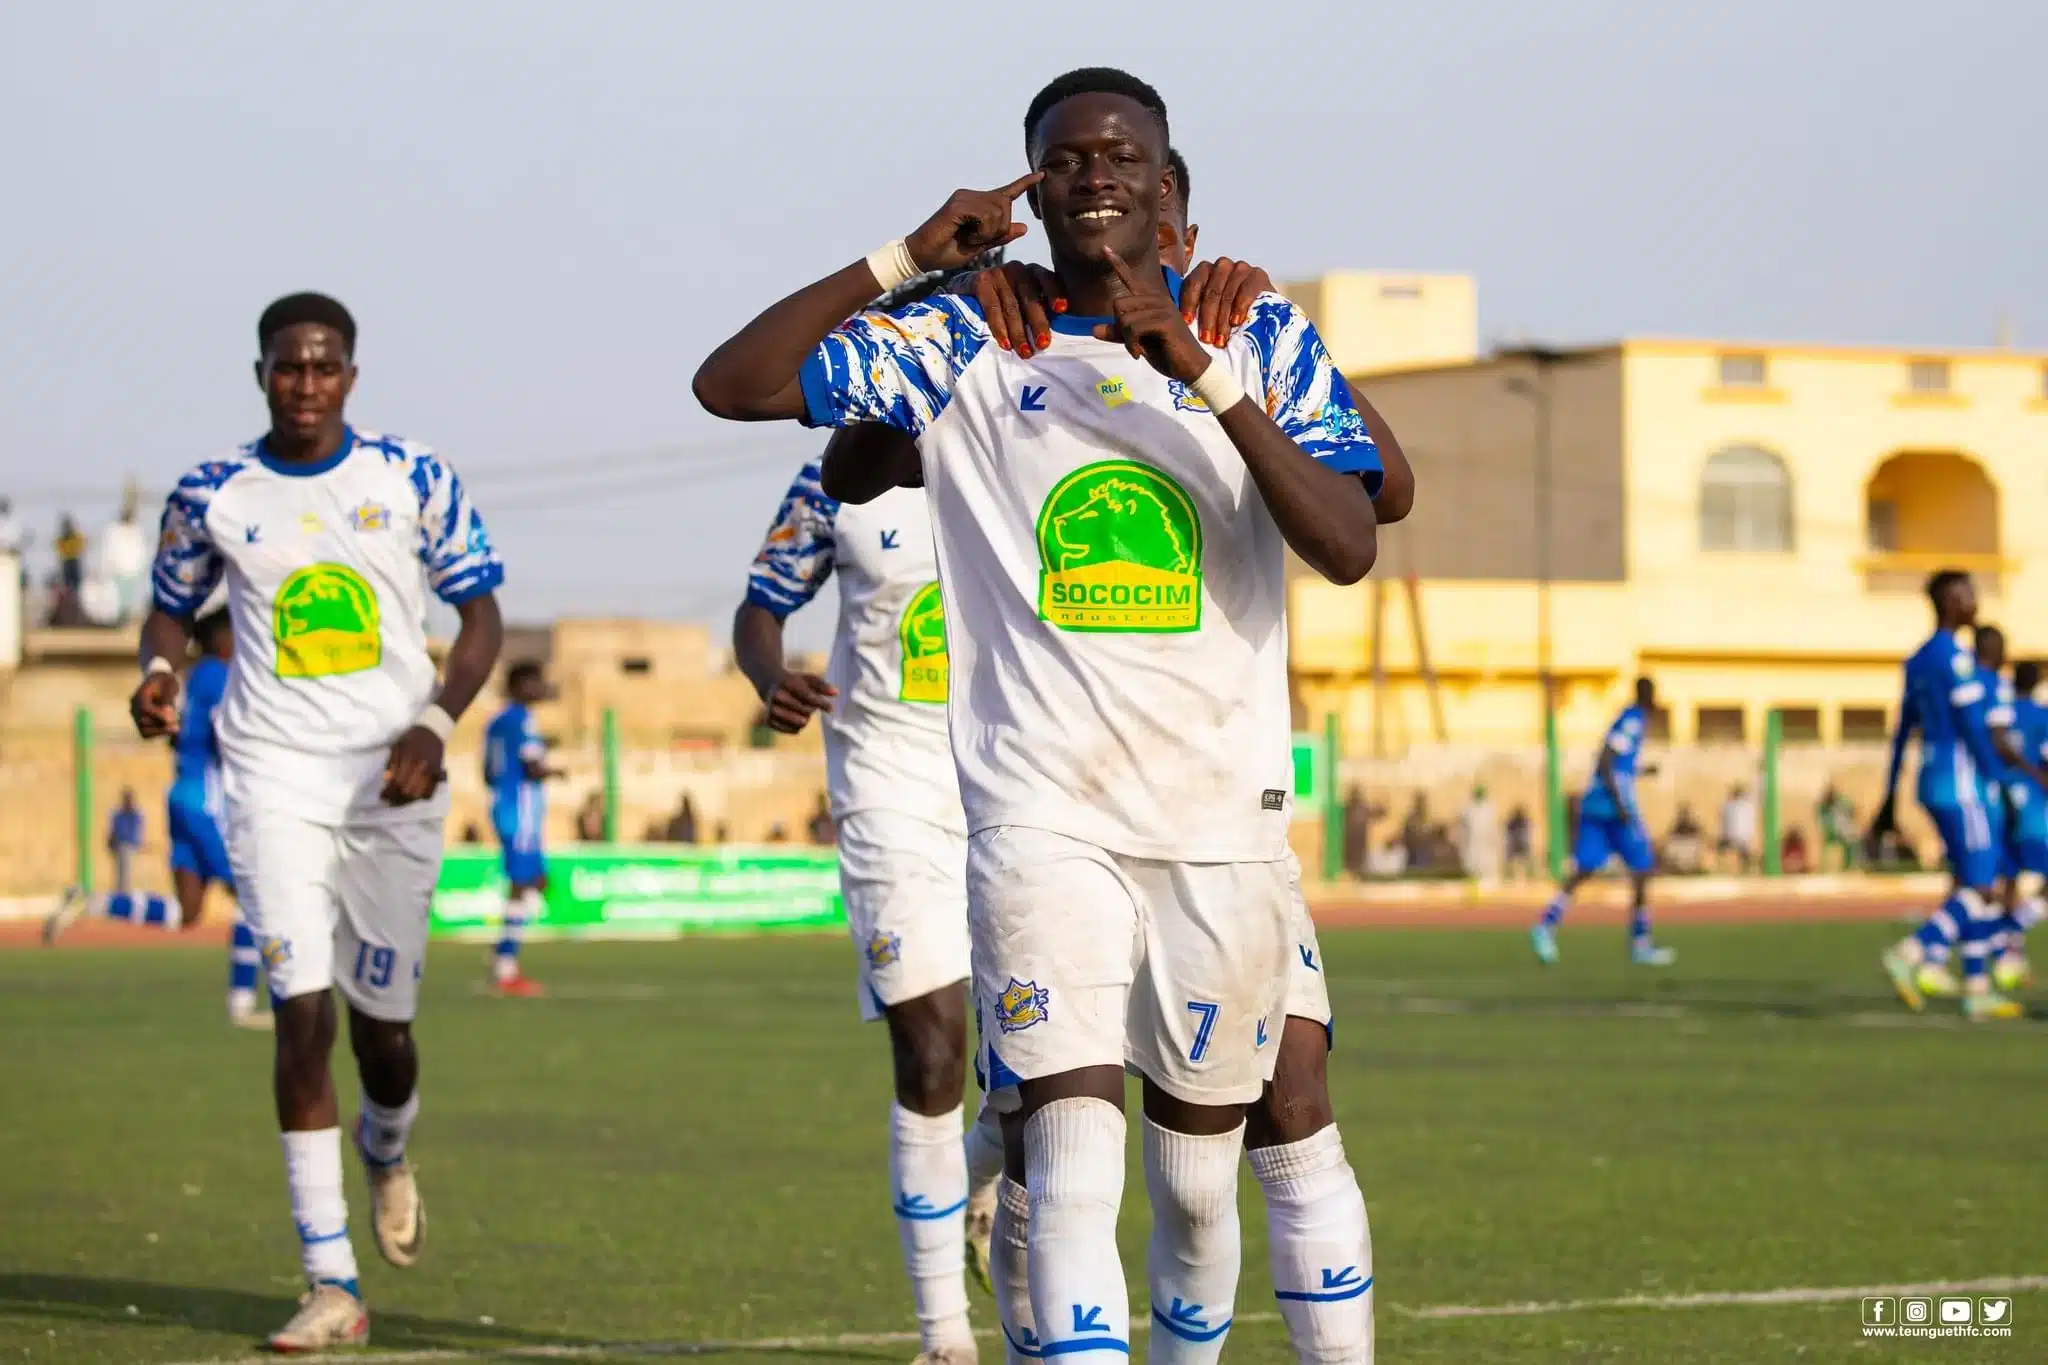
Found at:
[1611, 826]
[1947, 702]
[199, 853]
[515, 769]
[2020, 730]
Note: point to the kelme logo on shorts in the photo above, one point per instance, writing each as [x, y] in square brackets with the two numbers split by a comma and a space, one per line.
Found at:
[922, 632]
[1120, 549]
[326, 623]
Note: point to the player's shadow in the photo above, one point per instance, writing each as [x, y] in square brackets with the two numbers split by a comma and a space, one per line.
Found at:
[233, 1312]
[237, 1313]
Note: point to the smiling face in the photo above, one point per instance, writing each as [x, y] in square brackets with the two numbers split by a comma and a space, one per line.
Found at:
[1104, 159]
[306, 376]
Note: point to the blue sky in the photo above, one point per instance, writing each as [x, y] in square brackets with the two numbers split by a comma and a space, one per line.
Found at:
[544, 215]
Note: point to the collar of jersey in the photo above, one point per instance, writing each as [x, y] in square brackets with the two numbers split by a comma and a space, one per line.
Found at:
[1070, 325]
[293, 470]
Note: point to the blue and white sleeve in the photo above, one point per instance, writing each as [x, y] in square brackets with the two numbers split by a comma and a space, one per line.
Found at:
[531, 748]
[188, 565]
[460, 560]
[797, 556]
[1304, 394]
[895, 368]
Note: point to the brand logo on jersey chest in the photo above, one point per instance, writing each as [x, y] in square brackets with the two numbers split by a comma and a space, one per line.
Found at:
[1120, 549]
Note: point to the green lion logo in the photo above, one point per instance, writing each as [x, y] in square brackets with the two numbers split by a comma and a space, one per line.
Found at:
[922, 632]
[1120, 549]
[326, 622]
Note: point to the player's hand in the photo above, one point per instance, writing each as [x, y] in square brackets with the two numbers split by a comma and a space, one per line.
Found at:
[795, 698]
[1216, 297]
[415, 768]
[1882, 823]
[969, 223]
[154, 707]
[1150, 326]
[1018, 301]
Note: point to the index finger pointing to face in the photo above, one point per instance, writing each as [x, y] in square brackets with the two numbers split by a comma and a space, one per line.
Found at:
[1116, 263]
[1021, 184]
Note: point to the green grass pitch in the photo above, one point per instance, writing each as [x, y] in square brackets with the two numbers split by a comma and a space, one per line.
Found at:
[684, 1144]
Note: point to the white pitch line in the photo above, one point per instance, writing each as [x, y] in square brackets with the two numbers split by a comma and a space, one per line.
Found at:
[649, 1350]
[1753, 1299]
[643, 1349]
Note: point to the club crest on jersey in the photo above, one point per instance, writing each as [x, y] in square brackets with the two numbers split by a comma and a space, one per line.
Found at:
[884, 949]
[370, 516]
[1120, 549]
[1115, 393]
[276, 952]
[1021, 1005]
[326, 622]
[922, 633]
[1184, 399]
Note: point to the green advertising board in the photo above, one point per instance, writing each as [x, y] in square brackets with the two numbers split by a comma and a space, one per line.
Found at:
[1311, 778]
[623, 890]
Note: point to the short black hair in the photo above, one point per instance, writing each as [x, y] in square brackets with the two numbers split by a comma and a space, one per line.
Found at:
[205, 628]
[1180, 174]
[294, 309]
[526, 670]
[2026, 676]
[1987, 632]
[1941, 581]
[1094, 80]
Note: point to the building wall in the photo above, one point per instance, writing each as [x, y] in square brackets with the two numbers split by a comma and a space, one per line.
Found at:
[1471, 434]
[1379, 320]
[1818, 626]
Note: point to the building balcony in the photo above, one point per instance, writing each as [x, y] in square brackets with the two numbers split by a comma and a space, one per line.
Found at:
[1908, 570]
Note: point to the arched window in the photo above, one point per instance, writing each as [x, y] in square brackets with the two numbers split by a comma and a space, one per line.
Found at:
[1745, 501]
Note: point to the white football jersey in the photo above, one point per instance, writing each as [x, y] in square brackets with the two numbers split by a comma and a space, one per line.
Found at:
[327, 568]
[1115, 585]
[885, 738]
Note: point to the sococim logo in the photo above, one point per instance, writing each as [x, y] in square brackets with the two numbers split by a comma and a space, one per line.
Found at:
[1120, 549]
[923, 634]
[326, 622]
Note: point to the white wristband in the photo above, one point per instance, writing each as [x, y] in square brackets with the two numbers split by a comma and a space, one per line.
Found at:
[157, 664]
[1218, 387]
[437, 722]
[893, 265]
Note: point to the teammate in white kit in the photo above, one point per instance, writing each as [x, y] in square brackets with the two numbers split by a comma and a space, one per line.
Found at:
[1319, 1240]
[902, 851]
[1111, 519]
[331, 739]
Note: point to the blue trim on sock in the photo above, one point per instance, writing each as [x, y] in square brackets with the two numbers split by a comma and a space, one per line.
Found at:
[1337, 1296]
[1186, 1335]
[1083, 1344]
[926, 1215]
[1028, 1352]
[354, 1287]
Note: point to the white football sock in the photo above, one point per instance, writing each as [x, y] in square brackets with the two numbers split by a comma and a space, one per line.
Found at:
[1196, 1245]
[1321, 1248]
[1074, 1169]
[984, 1144]
[928, 1179]
[1009, 1254]
[312, 1172]
[382, 1133]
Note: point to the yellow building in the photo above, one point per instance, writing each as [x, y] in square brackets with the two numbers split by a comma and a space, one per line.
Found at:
[1751, 524]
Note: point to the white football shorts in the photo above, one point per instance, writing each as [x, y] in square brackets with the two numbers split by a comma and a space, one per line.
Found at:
[1308, 992]
[338, 905]
[905, 885]
[1084, 957]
